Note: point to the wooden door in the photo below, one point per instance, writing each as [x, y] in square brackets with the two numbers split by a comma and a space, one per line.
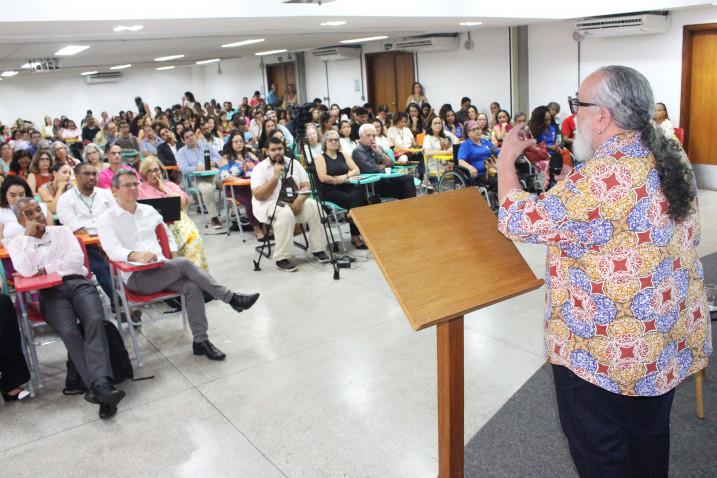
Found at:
[698, 113]
[390, 78]
[280, 74]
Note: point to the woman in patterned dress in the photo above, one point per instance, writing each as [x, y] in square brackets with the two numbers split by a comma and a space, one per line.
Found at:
[186, 234]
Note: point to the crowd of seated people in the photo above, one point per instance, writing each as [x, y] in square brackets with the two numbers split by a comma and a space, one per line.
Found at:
[88, 178]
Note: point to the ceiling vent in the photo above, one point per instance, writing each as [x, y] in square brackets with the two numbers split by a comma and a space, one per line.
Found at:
[642, 23]
[336, 53]
[105, 77]
[425, 43]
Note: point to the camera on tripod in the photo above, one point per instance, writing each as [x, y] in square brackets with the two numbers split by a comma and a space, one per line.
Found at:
[302, 116]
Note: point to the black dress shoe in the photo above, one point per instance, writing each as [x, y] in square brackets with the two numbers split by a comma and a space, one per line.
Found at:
[209, 350]
[105, 393]
[241, 302]
[107, 411]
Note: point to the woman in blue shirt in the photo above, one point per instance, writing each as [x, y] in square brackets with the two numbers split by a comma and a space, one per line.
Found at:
[473, 154]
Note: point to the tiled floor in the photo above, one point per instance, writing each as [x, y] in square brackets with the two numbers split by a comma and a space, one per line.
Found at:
[323, 378]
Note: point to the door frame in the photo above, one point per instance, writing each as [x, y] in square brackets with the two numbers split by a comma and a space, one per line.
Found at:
[688, 33]
[369, 56]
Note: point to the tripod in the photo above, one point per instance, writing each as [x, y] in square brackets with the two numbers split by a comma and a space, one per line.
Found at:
[328, 234]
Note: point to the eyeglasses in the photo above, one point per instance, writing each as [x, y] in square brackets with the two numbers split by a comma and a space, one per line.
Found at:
[575, 103]
[332, 140]
[154, 170]
[473, 130]
[130, 185]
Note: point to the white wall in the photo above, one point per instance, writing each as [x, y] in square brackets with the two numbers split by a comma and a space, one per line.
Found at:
[342, 76]
[482, 74]
[553, 59]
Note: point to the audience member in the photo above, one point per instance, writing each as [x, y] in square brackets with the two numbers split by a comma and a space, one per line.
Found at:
[290, 98]
[50, 192]
[149, 143]
[475, 154]
[520, 119]
[361, 117]
[238, 162]
[78, 209]
[20, 164]
[347, 143]
[127, 233]
[272, 97]
[256, 99]
[370, 158]
[417, 97]
[462, 114]
[501, 128]
[54, 250]
[62, 154]
[401, 136]
[662, 120]
[93, 155]
[186, 235]
[334, 170]
[190, 158]
[114, 158]
[126, 140]
[554, 109]
[415, 121]
[12, 190]
[40, 171]
[5, 158]
[450, 123]
[89, 132]
[313, 146]
[274, 194]
[494, 109]
[167, 149]
[13, 368]
[381, 138]
[567, 128]
[437, 142]
[34, 144]
[427, 115]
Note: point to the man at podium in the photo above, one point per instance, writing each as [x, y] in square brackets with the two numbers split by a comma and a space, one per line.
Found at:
[626, 317]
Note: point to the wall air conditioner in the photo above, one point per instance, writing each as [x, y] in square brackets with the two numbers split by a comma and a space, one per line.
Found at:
[423, 43]
[336, 53]
[104, 77]
[622, 25]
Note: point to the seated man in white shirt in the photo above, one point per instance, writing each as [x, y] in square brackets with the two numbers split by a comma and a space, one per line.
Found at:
[79, 208]
[190, 158]
[266, 187]
[46, 249]
[127, 233]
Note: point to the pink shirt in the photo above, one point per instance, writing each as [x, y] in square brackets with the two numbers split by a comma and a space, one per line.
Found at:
[147, 191]
[104, 180]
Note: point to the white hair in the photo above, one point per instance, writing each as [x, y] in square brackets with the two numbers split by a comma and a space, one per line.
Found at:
[366, 128]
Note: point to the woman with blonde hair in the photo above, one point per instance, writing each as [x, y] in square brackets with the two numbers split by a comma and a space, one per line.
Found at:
[185, 232]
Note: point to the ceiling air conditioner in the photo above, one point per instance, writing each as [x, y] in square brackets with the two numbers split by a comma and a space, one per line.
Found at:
[622, 25]
[336, 53]
[105, 77]
[443, 42]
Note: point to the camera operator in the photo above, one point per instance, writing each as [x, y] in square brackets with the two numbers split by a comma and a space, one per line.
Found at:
[278, 176]
[370, 158]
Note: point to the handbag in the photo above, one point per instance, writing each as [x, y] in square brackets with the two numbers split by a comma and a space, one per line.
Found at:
[537, 153]
[289, 189]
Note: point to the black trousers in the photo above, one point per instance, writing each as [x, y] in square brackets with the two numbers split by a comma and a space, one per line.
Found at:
[61, 306]
[399, 188]
[13, 369]
[613, 435]
[347, 196]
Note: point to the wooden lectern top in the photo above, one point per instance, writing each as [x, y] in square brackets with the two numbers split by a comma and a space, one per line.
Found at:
[442, 255]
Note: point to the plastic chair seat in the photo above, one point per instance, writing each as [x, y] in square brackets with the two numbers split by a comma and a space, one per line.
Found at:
[135, 298]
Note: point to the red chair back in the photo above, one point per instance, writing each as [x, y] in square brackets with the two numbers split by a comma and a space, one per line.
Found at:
[163, 241]
[680, 133]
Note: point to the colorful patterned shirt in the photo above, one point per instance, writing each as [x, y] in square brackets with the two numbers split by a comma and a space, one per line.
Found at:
[625, 302]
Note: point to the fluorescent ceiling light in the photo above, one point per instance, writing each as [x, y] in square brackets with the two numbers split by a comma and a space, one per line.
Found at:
[361, 40]
[335, 23]
[130, 28]
[26, 66]
[71, 50]
[269, 52]
[86, 73]
[161, 68]
[243, 42]
[120, 67]
[8, 73]
[470, 24]
[167, 58]
[204, 62]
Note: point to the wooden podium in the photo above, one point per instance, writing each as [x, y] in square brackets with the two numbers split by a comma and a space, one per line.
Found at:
[443, 257]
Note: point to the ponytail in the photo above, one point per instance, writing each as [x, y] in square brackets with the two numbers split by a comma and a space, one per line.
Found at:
[676, 177]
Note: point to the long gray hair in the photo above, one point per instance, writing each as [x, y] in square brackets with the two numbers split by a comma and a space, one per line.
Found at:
[626, 93]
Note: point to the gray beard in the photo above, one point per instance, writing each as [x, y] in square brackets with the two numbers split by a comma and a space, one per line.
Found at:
[582, 149]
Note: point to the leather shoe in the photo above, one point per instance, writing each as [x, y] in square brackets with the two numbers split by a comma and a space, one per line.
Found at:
[208, 349]
[107, 411]
[241, 302]
[105, 393]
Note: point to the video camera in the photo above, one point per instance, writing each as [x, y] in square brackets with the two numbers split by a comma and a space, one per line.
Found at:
[302, 116]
